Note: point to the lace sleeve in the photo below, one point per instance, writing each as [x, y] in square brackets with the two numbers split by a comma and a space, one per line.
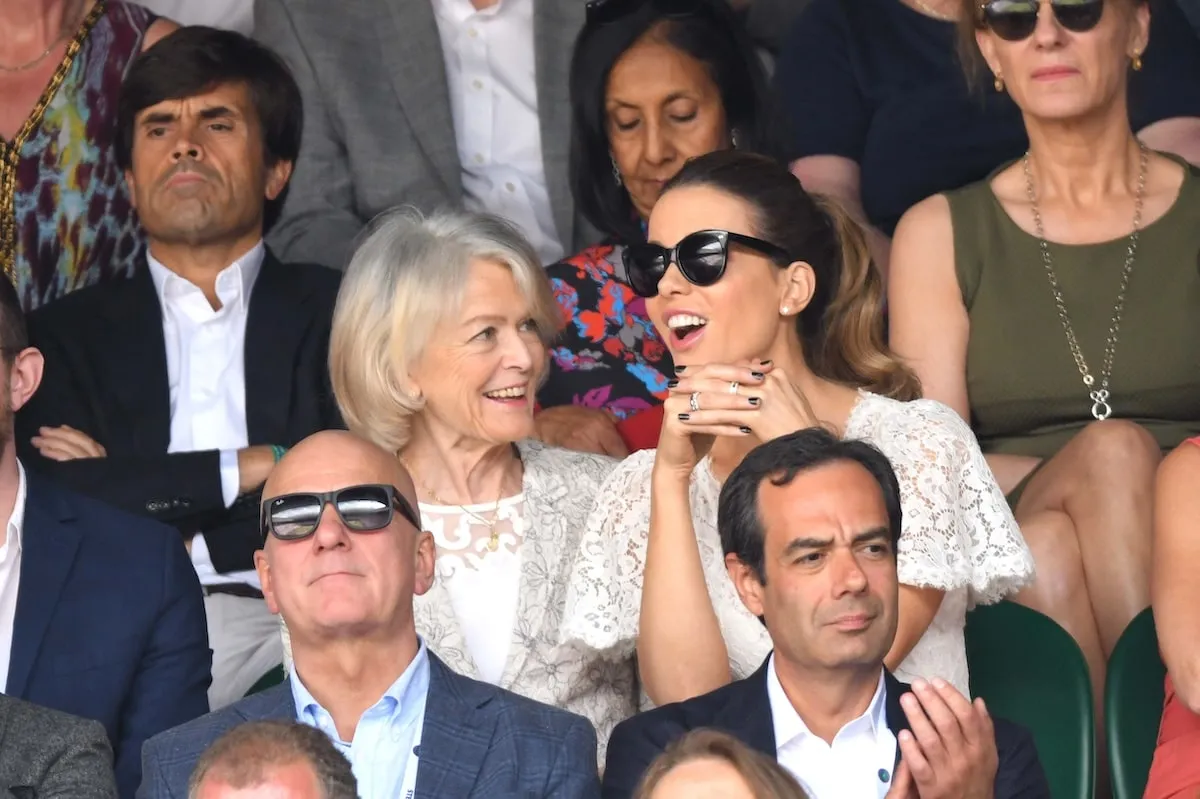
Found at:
[958, 530]
[604, 591]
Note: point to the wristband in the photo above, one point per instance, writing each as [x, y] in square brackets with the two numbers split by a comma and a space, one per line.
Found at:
[278, 452]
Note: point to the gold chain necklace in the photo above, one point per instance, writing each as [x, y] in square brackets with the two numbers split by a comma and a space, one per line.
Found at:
[493, 536]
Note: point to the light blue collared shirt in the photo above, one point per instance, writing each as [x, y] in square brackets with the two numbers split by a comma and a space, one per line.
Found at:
[386, 734]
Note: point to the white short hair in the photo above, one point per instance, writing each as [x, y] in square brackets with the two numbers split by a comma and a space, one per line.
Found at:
[408, 274]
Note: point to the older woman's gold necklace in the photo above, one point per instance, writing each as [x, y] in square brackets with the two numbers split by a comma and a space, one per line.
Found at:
[493, 536]
[1101, 409]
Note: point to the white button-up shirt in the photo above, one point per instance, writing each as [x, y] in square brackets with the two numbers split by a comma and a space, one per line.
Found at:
[206, 372]
[10, 576]
[493, 98]
[859, 763]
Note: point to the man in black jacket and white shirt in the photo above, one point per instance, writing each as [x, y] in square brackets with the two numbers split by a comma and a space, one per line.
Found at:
[810, 525]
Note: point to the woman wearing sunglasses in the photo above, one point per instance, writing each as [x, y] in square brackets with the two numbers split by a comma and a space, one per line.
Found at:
[1054, 305]
[882, 115]
[773, 313]
[438, 345]
[653, 83]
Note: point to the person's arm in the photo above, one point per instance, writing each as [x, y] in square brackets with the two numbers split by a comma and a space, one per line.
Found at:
[574, 774]
[1175, 591]
[1164, 96]
[319, 222]
[918, 606]
[681, 652]
[84, 769]
[828, 116]
[928, 324]
[840, 178]
[170, 686]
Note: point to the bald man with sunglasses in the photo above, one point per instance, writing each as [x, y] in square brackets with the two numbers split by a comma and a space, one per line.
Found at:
[343, 556]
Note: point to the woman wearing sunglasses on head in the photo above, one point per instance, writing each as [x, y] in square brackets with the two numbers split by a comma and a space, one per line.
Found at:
[774, 312]
[882, 115]
[1054, 305]
[438, 345]
[653, 83]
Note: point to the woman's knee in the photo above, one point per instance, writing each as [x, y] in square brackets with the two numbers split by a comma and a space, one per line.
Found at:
[1116, 449]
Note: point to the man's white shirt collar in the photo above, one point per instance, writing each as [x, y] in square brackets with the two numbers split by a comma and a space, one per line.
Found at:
[234, 283]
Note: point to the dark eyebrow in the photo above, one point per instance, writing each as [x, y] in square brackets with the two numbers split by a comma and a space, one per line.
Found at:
[159, 118]
[873, 534]
[217, 111]
[670, 98]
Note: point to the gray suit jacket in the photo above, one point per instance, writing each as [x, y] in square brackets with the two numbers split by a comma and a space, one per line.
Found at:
[45, 753]
[478, 742]
[378, 129]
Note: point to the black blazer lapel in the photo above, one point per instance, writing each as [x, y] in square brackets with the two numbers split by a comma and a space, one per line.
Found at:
[48, 548]
[747, 714]
[139, 363]
[277, 320]
[897, 719]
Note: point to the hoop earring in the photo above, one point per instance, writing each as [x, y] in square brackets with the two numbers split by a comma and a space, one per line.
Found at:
[1137, 62]
[999, 82]
[616, 173]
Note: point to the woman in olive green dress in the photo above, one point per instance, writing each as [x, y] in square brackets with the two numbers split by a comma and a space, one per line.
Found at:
[1056, 305]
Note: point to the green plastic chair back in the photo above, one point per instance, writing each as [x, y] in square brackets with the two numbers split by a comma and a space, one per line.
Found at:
[1031, 672]
[269, 680]
[1133, 704]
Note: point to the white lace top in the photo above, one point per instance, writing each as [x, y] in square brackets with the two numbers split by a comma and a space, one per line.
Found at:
[958, 535]
[483, 583]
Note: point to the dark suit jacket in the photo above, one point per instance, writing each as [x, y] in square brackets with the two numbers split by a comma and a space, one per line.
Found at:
[743, 710]
[106, 374]
[478, 742]
[47, 753]
[110, 622]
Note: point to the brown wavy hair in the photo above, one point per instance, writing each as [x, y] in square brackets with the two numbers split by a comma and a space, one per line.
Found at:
[766, 778]
[842, 328]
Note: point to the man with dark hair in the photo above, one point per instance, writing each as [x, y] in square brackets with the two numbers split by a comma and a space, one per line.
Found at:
[809, 525]
[101, 615]
[282, 759]
[174, 393]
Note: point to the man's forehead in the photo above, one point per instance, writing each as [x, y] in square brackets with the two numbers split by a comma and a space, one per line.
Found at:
[233, 96]
[834, 496]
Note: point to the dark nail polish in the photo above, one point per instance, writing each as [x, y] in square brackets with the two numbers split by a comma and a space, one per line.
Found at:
[756, 401]
[757, 375]
[766, 363]
[672, 383]
[683, 417]
[679, 369]
[745, 429]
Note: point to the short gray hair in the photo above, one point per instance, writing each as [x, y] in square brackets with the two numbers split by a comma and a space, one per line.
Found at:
[406, 276]
[245, 756]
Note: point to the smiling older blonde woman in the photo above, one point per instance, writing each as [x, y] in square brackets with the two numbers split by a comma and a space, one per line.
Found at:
[438, 347]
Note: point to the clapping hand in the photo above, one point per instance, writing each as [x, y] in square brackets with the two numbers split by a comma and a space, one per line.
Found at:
[950, 750]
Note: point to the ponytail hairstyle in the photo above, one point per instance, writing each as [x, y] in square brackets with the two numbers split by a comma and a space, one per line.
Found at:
[842, 328]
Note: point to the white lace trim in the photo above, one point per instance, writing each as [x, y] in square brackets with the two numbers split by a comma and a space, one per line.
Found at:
[958, 535]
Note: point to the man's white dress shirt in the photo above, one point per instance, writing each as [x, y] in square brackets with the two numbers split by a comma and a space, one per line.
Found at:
[10, 576]
[493, 98]
[206, 372]
[858, 765]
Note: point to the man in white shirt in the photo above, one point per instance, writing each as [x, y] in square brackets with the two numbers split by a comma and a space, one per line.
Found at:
[427, 103]
[810, 525]
[174, 393]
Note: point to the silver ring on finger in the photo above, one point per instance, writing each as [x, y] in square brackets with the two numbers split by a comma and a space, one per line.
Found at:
[734, 386]
[694, 401]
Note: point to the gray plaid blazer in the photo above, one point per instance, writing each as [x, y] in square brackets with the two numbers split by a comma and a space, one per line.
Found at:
[478, 741]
